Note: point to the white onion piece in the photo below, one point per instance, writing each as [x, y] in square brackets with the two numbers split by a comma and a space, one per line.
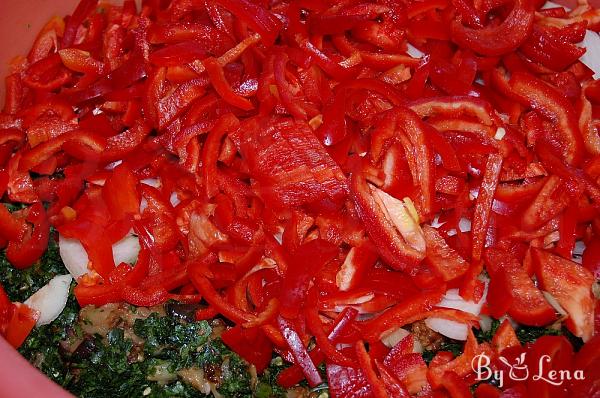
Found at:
[73, 256]
[393, 338]
[591, 58]
[126, 250]
[153, 182]
[413, 51]
[464, 224]
[485, 323]
[449, 328]
[51, 299]
[554, 303]
[76, 259]
[174, 199]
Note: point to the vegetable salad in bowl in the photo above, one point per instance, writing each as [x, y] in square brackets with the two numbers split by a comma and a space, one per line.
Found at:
[299, 198]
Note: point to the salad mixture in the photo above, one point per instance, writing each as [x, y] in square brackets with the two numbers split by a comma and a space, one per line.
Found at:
[306, 198]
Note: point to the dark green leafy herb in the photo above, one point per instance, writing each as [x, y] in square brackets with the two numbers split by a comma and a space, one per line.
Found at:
[528, 334]
[489, 335]
[454, 346]
[20, 284]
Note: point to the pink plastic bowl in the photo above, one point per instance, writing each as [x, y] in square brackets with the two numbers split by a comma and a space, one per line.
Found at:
[19, 23]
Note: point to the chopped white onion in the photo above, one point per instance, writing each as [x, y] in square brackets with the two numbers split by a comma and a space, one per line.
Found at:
[51, 299]
[485, 323]
[76, 259]
[500, 133]
[414, 52]
[73, 256]
[393, 338]
[452, 329]
[591, 58]
[153, 182]
[174, 199]
[126, 250]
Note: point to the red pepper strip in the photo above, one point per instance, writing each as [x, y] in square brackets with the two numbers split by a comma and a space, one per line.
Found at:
[83, 10]
[120, 193]
[25, 251]
[122, 144]
[313, 322]
[484, 390]
[11, 227]
[568, 232]
[6, 311]
[47, 75]
[485, 198]
[45, 150]
[260, 20]
[500, 39]
[267, 315]
[22, 322]
[364, 360]
[456, 386]
[443, 148]
[571, 285]
[527, 305]
[284, 89]
[299, 352]
[251, 344]
[81, 61]
[505, 337]
[143, 298]
[547, 48]
[300, 273]
[422, 7]
[347, 382]
[330, 67]
[389, 243]
[541, 97]
[97, 294]
[394, 387]
[222, 87]
[209, 294]
[210, 152]
[178, 54]
[398, 315]
[445, 260]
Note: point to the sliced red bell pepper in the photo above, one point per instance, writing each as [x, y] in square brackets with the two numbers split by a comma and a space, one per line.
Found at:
[11, 226]
[591, 257]
[222, 86]
[6, 311]
[377, 387]
[120, 193]
[83, 10]
[345, 382]
[571, 285]
[554, 353]
[538, 95]
[504, 337]
[500, 39]
[30, 246]
[211, 150]
[262, 21]
[21, 323]
[251, 344]
[400, 314]
[483, 207]
[547, 48]
[444, 259]
[551, 200]
[527, 304]
[302, 266]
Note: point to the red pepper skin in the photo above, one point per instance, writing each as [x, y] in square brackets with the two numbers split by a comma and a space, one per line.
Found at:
[365, 362]
[445, 260]
[547, 48]
[21, 323]
[120, 193]
[222, 87]
[177, 54]
[211, 151]
[591, 257]
[538, 95]
[571, 285]
[251, 344]
[25, 251]
[505, 337]
[389, 243]
[97, 294]
[527, 304]
[6, 311]
[481, 218]
[260, 20]
[500, 39]
[557, 354]
[302, 266]
[487, 391]
[346, 382]
[83, 10]
[291, 166]
[10, 226]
